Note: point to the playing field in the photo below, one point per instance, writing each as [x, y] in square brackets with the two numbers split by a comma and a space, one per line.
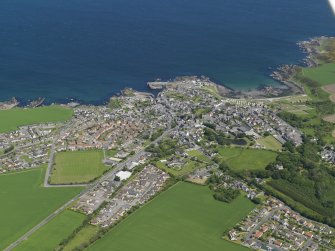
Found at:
[16, 117]
[49, 236]
[323, 74]
[240, 159]
[270, 142]
[24, 202]
[77, 167]
[184, 218]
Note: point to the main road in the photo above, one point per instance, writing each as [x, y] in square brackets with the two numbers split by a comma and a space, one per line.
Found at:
[110, 174]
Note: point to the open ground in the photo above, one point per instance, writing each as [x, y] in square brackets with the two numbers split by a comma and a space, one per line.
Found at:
[77, 167]
[49, 236]
[13, 118]
[241, 159]
[270, 142]
[24, 202]
[185, 217]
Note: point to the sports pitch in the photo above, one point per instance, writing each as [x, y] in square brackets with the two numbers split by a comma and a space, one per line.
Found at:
[77, 167]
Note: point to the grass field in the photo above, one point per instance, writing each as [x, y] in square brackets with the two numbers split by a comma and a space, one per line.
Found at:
[187, 168]
[24, 202]
[298, 109]
[49, 236]
[16, 117]
[199, 155]
[81, 237]
[77, 167]
[271, 143]
[323, 74]
[184, 218]
[240, 159]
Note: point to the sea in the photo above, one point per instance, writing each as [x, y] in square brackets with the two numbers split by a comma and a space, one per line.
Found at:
[88, 50]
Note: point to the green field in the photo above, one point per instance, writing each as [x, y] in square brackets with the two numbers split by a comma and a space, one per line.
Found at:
[49, 236]
[24, 202]
[240, 159]
[16, 117]
[199, 155]
[77, 167]
[270, 142]
[189, 166]
[81, 237]
[184, 218]
[323, 74]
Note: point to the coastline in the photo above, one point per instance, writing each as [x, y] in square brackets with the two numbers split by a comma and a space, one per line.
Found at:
[284, 75]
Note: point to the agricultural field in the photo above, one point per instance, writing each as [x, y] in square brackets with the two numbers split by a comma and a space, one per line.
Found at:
[77, 167]
[81, 237]
[13, 118]
[270, 142]
[323, 74]
[185, 217]
[240, 159]
[24, 202]
[49, 236]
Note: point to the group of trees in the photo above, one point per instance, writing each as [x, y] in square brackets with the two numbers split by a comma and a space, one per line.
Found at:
[9, 149]
[164, 148]
[220, 193]
[299, 173]
[220, 138]
[226, 194]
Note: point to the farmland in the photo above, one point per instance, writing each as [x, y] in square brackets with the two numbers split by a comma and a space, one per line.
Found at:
[185, 217]
[323, 74]
[24, 203]
[240, 159]
[13, 118]
[77, 167]
[81, 237]
[50, 235]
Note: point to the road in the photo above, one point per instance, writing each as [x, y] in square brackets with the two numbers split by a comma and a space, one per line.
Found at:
[51, 161]
[263, 220]
[110, 174]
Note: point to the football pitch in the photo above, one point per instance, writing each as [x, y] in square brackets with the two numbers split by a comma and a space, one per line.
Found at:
[77, 167]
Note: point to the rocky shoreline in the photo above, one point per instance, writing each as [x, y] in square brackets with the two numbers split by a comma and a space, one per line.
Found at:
[315, 49]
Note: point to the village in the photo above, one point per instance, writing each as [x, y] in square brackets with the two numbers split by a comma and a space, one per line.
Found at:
[172, 134]
[274, 226]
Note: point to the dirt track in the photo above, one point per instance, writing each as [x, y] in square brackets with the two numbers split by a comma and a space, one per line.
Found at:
[331, 90]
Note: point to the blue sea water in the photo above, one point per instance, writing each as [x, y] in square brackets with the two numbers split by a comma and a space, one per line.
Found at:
[90, 49]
